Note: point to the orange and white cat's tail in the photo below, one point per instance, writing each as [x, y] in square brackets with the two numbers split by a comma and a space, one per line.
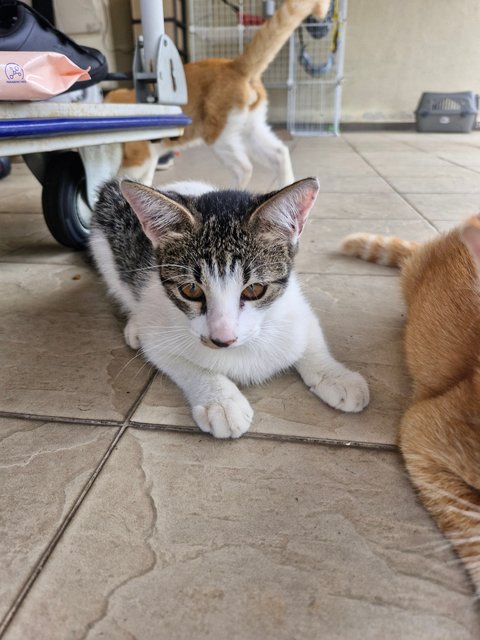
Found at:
[274, 33]
[439, 443]
[387, 250]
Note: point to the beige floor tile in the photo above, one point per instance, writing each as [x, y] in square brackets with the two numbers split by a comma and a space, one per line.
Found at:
[43, 468]
[368, 338]
[466, 157]
[403, 159]
[183, 537]
[19, 199]
[62, 348]
[329, 158]
[360, 206]
[445, 206]
[196, 164]
[413, 164]
[447, 171]
[445, 225]
[285, 408]
[379, 141]
[26, 238]
[354, 184]
[332, 144]
[200, 163]
[440, 142]
[315, 159]
[441, 185]
[321, 239]
[21, 192]
[362, 316]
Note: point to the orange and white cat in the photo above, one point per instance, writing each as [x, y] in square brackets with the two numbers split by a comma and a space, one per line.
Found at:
[440, 433]
[227, 103]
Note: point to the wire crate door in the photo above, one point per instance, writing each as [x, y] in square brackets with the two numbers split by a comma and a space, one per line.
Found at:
[314, 99]
[304, 80]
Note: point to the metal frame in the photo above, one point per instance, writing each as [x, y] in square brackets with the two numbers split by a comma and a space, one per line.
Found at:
[97, 130]
[39, 129]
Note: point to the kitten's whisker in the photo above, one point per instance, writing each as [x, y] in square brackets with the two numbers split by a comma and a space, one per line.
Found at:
[438, 544]
[146, 363]
[138, 354]
[464, 512]
[180, 349]
[462, 541]
[167, 343]
[161, 330]
[169, 340]
[431, 487]
[156, 266]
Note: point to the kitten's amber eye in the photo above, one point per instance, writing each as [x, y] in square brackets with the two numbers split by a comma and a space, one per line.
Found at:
[191, 291]
[254, 291]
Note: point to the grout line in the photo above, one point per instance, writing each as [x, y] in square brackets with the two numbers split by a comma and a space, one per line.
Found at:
[465, 145]
[60, 419]
[349, 275]
[43, 264]
[24, 591]
[458, 164]
[93, 422]
[352, 219]
[399, 193]
[329, 442]
[427, 220]
[436, 226]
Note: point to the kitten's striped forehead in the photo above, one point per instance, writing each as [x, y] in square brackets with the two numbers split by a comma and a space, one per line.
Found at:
[227, 249]
[223, 249]
[217, 275]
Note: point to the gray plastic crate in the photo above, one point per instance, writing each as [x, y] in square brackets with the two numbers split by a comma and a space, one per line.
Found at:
[451, 112]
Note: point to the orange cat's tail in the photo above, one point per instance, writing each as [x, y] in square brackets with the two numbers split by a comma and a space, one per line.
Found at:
[273, 34]
[387, 250]
[439, 443]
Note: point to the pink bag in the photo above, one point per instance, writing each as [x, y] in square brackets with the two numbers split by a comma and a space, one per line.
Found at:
[37, 75]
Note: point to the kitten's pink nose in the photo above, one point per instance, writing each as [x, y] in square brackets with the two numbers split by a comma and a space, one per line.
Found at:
[221, 343]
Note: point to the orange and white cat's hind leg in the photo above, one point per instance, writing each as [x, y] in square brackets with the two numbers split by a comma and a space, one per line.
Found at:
[230, 147]
[140, 161]
[268, 150]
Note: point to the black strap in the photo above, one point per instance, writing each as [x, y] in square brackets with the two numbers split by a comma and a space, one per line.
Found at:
[232, 6]
[45, 8]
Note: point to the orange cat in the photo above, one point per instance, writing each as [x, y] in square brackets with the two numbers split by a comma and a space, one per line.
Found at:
[227, 103]
[440, 433]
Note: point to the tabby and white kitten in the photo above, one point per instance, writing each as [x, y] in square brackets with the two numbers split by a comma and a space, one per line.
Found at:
[206, 279]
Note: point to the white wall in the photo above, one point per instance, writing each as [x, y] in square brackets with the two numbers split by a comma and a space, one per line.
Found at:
[396, 49]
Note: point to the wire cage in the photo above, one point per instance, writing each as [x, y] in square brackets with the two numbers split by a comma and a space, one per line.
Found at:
[304, 82]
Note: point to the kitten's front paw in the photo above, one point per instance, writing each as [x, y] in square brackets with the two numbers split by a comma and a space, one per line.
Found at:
[347, 391]
[228, 417]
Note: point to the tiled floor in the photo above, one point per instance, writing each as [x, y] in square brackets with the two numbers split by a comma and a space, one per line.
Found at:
[120, 520]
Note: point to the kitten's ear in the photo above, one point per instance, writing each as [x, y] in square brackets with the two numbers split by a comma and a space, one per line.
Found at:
[161, 217]
[284, 213]
[470, 234]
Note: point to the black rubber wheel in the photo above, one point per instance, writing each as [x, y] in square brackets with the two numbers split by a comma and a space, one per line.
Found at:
[5, 166]
[64, 200]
